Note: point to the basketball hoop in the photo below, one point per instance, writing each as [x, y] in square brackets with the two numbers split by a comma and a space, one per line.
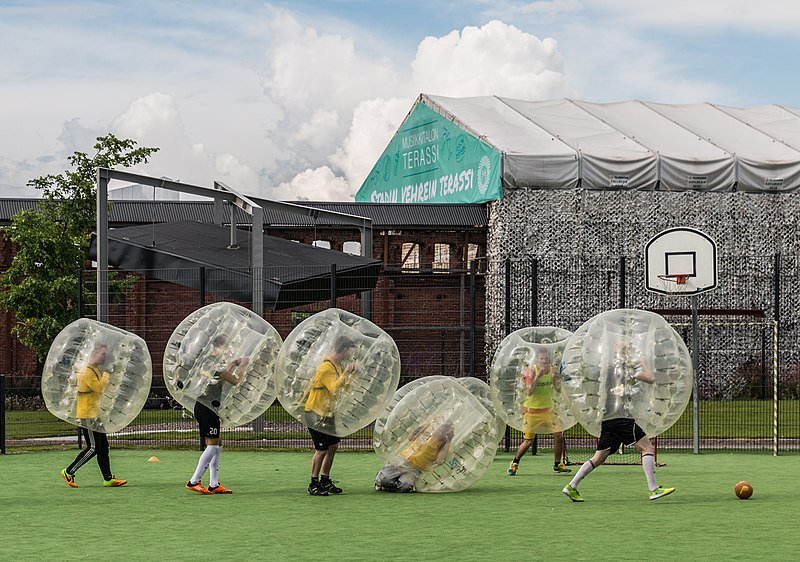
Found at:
[675, 283]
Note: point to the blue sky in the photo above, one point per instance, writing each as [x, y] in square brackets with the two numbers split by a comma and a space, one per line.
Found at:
[296, 100]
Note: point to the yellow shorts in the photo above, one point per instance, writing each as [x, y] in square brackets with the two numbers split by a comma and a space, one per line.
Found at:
[543, 422]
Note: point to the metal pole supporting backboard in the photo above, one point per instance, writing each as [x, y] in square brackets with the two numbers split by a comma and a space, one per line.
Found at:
[695, 366]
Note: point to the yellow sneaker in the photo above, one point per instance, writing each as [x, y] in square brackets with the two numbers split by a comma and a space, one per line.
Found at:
[571, 493]
[512, 468]
[660, 492]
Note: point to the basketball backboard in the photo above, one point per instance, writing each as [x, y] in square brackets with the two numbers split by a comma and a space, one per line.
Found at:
[680, 261]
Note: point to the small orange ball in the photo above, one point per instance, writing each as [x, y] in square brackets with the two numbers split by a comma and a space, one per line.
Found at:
[743, 490]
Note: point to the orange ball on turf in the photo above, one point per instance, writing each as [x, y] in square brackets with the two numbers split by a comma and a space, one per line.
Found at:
[743, 490]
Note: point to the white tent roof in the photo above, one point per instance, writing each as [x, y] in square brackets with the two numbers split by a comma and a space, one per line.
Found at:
[634, 145]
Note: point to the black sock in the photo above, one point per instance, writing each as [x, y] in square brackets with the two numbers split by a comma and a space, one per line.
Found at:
[324, 478]
[314, 480]
[516, 460]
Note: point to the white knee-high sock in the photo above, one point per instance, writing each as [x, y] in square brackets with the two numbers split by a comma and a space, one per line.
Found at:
[649, 467]
[213, 468]
[585, 469]
[203, 463]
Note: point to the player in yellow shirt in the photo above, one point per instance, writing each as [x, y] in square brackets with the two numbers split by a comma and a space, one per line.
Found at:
[428, 446]
[92, 382]
[538, 415]
[330, 378]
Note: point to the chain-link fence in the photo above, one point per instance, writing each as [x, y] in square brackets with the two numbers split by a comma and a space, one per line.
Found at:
[436, 320]
[747, 376]
[449, 323]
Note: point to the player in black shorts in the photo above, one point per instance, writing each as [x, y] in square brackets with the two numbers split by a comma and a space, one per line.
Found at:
[208, 420]
[330, 378]
[622, 431]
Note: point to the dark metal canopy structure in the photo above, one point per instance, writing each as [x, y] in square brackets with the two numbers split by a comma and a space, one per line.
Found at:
[220, 193]
[293, 274]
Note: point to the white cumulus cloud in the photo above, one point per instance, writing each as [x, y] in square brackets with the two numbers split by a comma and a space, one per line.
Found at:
[493, 59]
[318, 184]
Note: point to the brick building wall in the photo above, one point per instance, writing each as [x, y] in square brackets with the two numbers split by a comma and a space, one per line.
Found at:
[426, 313]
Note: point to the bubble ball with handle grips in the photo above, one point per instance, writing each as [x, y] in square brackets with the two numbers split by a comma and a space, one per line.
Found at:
[371, 370]
[378, 440]
[627, 363]
[215, 338]
[439, 408]
[523, 359]
[96, 376]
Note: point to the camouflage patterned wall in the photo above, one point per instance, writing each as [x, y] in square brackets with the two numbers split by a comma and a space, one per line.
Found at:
[577, 238]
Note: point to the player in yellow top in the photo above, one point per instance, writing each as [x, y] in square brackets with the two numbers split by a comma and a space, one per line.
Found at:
[428, 446]
[92, 382]
[538, 416]
[330, 378]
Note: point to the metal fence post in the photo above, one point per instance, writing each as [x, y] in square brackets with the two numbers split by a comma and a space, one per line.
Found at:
[508, 296]
[535, 292]
[80, 315]
[473, 270]
[202, 274]
[507, 269]
[2, 414]
[79, 302]
[333, 285]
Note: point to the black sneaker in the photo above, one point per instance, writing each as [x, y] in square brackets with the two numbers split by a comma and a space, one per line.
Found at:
[330, 487]
[316, 489]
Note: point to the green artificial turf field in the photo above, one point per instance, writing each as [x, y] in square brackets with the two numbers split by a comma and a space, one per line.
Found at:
[270, 516]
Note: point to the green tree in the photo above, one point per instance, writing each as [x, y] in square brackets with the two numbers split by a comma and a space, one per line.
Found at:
[52, 241]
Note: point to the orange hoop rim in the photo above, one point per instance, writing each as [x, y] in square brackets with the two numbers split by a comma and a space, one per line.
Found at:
[677, 278]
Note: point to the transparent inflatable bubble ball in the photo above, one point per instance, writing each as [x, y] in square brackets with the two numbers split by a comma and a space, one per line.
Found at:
[483, 392]
[627, 364]
[378, 443]
[440, 436]
[526, 382]
[96, 376]
[337, 371]
[223, 356]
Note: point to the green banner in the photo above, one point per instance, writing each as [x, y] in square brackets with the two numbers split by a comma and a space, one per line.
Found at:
[431, 160]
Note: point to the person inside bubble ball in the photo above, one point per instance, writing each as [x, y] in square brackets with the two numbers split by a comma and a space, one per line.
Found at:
[219, 370]
[330, 378]
[541, 380]
[627, 370]
[428, 446]
[92, 382]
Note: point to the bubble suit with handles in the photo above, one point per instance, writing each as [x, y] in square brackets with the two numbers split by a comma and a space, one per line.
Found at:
[208, 341]
[96, 376]
[372, 370]
[437, 404]
[483, 393]
[378, 441]
[627, 364]
[518, 359]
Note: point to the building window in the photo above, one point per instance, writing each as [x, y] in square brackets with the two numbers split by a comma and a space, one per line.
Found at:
[352, 247]
[441, 258]
[322, 244]
[473, 252]
[410, 256]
